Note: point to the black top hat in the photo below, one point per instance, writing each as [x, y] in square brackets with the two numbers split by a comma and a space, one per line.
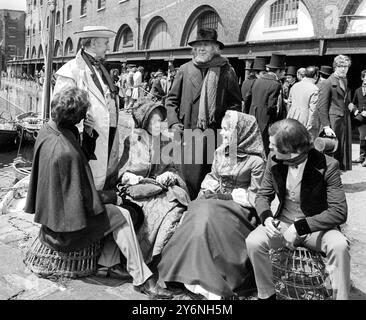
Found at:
[326, 70]
[207, 34]
[291, 71]
[277, 61]
[259, 64]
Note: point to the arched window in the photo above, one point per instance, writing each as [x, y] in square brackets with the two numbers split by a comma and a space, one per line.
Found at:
[27, 54]
[58, 49]
[69, 13]
[41, 2]
[283, 13]
[203, 17]
[34, 53]
[35, 3]
[83, 7]
[48, 22]
[34, 28]
[158, 36]
[69, 47]
[28, 31]
[101, 4]
[40, 52]
[124, 38]
[58, 18]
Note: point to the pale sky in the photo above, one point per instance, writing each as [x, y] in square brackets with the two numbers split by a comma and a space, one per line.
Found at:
[13, 4]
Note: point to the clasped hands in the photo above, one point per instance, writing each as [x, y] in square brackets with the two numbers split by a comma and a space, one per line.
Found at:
[238, 195]
[290, 235]
[166, 178]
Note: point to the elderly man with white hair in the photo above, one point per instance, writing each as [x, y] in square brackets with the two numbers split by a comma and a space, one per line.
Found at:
[87, 72]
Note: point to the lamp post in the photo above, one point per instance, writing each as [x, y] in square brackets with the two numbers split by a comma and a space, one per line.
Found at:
[49, 60]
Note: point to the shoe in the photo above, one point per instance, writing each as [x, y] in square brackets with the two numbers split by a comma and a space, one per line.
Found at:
[360, 159]
[115, 272]
[155, 292]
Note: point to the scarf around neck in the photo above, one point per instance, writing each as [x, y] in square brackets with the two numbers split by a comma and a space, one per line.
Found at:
[293, 162]
[207, 104]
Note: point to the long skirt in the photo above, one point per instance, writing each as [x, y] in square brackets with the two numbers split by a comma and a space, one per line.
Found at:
[209, 249]
[162, 214]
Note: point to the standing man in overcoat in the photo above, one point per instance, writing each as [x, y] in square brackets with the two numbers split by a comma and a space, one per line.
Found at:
[265, 92]
[203, 89]
[87, 72]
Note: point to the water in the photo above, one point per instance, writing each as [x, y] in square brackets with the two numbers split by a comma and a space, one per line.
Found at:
[8, 154]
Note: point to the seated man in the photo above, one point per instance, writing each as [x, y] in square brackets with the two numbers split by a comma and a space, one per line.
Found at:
[63, 197]
[312, 206]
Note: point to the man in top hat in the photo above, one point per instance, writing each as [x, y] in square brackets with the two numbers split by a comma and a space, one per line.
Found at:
[257, 69]
[291, 79]
[203, 89]
[87, 72]
[325, 72]
[266, 91]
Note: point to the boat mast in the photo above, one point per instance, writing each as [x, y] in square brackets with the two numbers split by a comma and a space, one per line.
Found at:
[49, 61]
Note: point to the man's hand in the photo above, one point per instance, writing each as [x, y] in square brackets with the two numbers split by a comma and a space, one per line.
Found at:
[271, 230]
[89, 124]
[351, 107]
[363, 113]
[329, 132]
[290, 236]
[178, 127]
[166, 179]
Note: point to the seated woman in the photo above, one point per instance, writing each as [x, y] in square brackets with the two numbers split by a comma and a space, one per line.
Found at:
[63, 197]
[208, 249]
[142, 158]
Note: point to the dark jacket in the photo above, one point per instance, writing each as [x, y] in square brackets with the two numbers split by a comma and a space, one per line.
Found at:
[265, 92]
[182, 102]
[157, 89]
[322, 198]
[359, 100]
[62, 194]
[332, 100]
[245, 92]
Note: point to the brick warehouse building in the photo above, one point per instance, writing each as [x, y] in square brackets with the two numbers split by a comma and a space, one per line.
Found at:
[12, 35]
[153, 32]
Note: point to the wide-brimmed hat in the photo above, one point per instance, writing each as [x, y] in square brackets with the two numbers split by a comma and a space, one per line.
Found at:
[277, 61]
[326, 70]
[207, 34]
[95, 32]
[142, 110]
[259, 64]
[291, 71]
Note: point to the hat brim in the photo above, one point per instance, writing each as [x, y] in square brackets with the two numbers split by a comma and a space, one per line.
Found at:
[221, 45]
[325, 73]
[275, 67]
[96, 34]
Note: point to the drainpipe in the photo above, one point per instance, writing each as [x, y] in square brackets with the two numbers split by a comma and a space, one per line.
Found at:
[138, 19]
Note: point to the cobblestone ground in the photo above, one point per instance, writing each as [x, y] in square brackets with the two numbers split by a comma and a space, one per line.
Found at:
[17, 230]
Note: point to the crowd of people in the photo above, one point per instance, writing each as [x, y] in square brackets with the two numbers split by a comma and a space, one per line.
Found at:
[198, 228]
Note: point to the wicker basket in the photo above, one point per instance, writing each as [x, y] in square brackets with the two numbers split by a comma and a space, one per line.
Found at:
[299, 274]
[48, 263]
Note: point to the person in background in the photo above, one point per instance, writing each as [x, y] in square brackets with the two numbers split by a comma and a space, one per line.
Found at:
[300, 74]
[324, 73]
[359, 111]
[303, 100]
[265, 96]
[258, 69]
[312, 205]
[291, 79]
[334, 110]
[157, 90]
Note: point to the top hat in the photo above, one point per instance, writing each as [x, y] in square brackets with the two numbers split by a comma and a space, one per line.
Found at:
[207, 34]
[95, 32]
[277, 61]
[259, 64]
[326, 70]
[291, 71]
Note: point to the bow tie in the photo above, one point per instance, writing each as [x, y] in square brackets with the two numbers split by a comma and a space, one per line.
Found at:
[97, 62]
